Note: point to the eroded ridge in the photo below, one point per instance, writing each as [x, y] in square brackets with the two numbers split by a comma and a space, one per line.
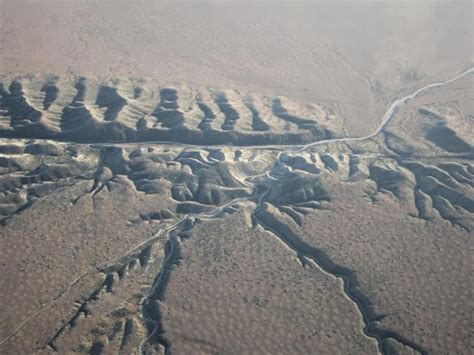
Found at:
[283, 188]
[88, 109]
[109, 316]
[425, 181]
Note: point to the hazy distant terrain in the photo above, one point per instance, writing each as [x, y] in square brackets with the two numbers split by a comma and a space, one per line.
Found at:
[235, 177]
[358, 54]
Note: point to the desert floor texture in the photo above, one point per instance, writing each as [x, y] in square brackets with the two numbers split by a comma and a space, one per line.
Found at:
[236, 178]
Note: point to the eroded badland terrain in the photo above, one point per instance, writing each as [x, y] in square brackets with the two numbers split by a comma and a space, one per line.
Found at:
[146, 215]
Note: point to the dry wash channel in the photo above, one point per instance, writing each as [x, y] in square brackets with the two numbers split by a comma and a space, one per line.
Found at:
[172, 248]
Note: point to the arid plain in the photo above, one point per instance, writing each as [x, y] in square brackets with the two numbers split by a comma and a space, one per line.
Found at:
[236, 178]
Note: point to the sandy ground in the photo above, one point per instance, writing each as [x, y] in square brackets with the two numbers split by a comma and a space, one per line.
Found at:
[349, 246]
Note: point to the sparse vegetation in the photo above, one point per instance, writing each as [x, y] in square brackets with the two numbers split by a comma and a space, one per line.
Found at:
[226, 179]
